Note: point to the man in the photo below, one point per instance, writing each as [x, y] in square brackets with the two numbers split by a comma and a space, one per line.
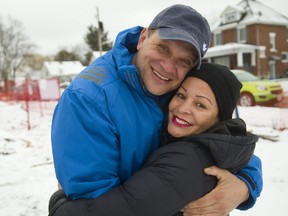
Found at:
[108, 120]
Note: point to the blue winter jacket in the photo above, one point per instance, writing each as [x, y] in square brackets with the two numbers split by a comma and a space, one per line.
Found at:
[106, 125]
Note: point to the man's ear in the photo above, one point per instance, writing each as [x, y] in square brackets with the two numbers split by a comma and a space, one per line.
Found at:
[143, 36]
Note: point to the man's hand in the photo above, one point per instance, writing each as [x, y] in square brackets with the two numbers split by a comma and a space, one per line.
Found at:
[228, 194]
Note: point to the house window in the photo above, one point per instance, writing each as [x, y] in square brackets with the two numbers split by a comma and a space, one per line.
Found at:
[242, 35]
[284, 57]
[230, 17]
[223, 60]
[272, 36]
[218, 39]
[262, 53]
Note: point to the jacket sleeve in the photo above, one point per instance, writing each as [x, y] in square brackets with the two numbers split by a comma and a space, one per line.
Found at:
[172, 177]
[252, 176]
[75, 127]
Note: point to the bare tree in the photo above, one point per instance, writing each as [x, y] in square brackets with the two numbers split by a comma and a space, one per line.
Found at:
[14, 45]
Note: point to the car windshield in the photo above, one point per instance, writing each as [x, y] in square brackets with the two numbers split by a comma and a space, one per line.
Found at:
[244, 76]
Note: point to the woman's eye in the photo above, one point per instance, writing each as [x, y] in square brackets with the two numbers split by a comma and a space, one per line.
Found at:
[202, 106]
[180, 95]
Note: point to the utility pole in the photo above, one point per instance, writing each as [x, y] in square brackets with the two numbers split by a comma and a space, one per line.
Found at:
[100, 27]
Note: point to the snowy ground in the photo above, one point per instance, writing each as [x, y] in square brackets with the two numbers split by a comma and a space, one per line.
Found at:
[27, 175]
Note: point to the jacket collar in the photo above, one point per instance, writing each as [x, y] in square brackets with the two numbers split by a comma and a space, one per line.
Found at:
[123, 52]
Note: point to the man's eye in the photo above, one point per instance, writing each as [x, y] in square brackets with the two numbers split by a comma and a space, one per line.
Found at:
[186, 62]
[163, 49]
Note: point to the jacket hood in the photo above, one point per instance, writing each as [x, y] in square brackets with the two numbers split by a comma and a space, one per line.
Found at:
[229, 143]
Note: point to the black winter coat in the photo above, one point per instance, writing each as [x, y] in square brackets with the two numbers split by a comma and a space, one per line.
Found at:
[173, 176]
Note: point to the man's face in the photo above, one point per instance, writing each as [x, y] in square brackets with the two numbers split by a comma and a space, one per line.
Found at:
[163, 64]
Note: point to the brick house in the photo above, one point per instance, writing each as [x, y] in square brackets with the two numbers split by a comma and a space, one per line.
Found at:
[253, 37]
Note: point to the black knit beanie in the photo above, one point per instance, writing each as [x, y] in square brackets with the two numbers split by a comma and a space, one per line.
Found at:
[224, 84]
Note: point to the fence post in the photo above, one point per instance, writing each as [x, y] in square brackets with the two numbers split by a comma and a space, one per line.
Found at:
[26, 92]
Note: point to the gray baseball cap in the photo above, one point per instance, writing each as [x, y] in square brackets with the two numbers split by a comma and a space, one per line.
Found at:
[181, 22]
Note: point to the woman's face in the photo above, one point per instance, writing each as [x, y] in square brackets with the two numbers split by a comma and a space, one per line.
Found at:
[193, 109]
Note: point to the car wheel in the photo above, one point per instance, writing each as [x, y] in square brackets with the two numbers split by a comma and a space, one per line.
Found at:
[246, 99]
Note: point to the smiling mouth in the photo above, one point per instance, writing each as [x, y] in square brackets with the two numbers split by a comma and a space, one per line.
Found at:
[160, 76]
[180, 122]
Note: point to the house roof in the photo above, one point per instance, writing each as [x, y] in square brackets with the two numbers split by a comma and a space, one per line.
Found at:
[253, 12]
[232, 7]
[57, 68]
[228, 49]
[260, 13]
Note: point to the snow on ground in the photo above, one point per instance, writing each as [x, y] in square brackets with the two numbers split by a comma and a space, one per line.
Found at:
[27, 174]
[26, 169]
[274, 158]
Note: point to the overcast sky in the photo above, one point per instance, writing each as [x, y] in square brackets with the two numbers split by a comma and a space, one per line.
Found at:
[54, 24]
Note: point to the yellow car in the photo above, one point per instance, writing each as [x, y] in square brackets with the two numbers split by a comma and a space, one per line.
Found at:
[256, 91]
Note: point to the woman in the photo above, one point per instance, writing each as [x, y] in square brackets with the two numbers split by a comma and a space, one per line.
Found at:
[199, 132]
